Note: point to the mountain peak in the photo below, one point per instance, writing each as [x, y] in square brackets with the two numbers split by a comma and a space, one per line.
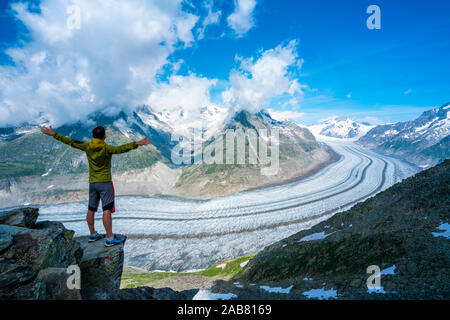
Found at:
[337, 128]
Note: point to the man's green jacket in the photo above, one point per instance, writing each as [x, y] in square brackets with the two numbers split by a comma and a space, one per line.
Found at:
[99, 155]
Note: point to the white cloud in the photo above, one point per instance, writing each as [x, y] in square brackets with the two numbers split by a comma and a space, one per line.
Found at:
[113, 58]
[184, 102]
[189, 93]
[370, 120]
[241, 20]
[213, 17]
[285, 114]
[255, 83]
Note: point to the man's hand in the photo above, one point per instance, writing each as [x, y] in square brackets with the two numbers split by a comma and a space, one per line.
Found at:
[48, 131]
[143, 142]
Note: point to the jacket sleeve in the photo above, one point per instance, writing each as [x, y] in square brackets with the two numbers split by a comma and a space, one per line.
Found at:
[121, 149]
[71, 142]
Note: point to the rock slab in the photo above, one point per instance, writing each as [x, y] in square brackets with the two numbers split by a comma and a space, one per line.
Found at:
[22, 217]
[101, 269]
[33, 261]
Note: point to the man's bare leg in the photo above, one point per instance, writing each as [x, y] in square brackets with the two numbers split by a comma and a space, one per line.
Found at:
[90, 221]
[107, 223]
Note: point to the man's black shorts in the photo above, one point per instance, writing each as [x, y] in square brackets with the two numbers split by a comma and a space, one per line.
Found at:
[101, 191]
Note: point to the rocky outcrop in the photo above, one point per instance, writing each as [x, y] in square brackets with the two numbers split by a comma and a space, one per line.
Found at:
[29, 256]
[52, 285]
[101, 269]
[403, 231]
[36, 261]
[25, 217]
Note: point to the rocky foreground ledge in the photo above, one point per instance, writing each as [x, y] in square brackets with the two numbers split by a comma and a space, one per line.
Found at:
[41, 261]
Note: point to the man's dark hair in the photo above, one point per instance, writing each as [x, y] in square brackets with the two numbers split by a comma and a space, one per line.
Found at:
[98, 132]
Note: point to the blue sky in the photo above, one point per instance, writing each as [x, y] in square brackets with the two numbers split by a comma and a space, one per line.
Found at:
[392, 74]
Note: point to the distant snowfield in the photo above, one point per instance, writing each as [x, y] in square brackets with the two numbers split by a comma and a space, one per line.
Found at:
[174, 234]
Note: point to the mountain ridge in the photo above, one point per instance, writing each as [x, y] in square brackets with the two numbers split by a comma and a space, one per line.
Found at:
[402, 230]
[422, 141]
[34, 167]
[343, 129]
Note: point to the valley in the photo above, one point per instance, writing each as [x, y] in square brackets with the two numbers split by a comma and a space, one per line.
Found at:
[177, 234]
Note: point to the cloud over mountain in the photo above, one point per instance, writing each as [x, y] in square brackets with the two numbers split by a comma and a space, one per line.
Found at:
[113, 58]
[119, 56]
[253, 84]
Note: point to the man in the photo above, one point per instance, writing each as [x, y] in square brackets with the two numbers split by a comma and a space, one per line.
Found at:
[101, 187]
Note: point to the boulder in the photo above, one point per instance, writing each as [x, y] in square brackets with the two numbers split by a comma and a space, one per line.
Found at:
[50, 245]
[25, 252]
[101, 269]
[5, 241]
[51, 284]
[12, 277]
[22, 217]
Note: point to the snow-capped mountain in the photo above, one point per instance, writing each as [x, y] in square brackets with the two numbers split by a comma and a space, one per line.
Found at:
[299, 154]
[423, 141]
[29, 159]
[208, 120]
[336, 128]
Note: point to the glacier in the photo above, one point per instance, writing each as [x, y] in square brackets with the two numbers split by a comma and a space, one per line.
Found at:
[175, 234]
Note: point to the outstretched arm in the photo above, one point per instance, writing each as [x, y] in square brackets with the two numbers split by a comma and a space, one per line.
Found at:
[127, 147]
[73, 143]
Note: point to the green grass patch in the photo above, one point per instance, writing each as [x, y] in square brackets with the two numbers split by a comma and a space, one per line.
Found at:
[133, 280]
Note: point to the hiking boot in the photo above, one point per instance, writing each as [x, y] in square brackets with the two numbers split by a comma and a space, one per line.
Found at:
[96, 236]
[115, 240]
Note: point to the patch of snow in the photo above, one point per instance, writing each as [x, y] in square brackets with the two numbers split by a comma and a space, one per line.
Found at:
[277, 289]
[321, 293]
[123, 127]
[50, 186]
[222, 266]
[243, 264]
[46, 174]
[208, 295]
[444, 227]
[343, 129]
[238, 284]
[307, 279]
[391, 132]
[315, 236]
[426, 125]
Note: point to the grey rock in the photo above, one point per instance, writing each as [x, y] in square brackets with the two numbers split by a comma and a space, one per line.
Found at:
[12, 276]
[50, 246]
[52, 285]
[5, 241]
[101, 269]
[28, 251]
[22, 217]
